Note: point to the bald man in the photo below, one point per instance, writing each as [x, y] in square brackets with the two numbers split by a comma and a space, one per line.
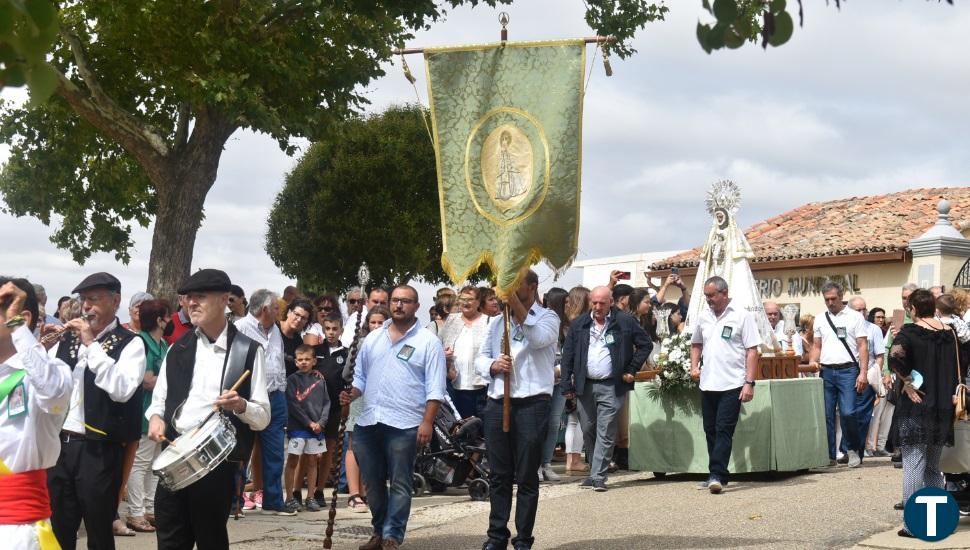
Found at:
[865, 401]
[773, 312]
[602, 352]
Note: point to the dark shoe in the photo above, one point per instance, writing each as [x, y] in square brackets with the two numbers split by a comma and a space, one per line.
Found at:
[522, 546]
[587, 483]
[898, 465]
[621, 458]
[373, 544]
[390, 544]
[898, 506]
[905, 533]
[880, 453]
[613, 468]
[494, 545]
[599, 485]
[844, 459]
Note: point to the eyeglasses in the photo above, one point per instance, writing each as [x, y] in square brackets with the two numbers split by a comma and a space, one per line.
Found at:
[326, 308]
[353, 301]
[299, 317]
[402, 301]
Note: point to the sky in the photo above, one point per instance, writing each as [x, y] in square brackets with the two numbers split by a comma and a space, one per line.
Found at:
[863, 100]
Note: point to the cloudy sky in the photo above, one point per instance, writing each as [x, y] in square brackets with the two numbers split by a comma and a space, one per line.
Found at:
[866, 100]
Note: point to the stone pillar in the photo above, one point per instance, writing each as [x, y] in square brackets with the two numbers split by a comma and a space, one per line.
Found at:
[939, 253]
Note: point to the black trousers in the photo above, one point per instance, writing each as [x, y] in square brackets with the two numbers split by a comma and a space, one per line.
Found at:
[514, 455]
[84, 485]
[197, 514]
[720, 410]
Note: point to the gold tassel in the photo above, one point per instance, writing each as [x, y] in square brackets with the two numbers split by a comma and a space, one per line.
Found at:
[606, 60]
[407, 70]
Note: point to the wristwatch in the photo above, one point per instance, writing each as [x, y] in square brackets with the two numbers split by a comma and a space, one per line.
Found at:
[15, 321]
[749, 382]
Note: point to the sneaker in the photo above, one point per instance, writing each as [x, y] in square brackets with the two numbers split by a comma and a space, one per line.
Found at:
[714, 486]
[311, 505]
[321, 500]
[844, 459]
[290, 508]
[258, 498]
[854, 459]
[599, 485]
[548, 473]
[868, 453]
[587, 483]
[248, 503]
[881, 453]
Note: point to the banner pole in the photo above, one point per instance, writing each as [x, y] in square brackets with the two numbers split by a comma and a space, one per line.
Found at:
[507, 384]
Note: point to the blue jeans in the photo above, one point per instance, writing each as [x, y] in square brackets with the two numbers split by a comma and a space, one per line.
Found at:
[864, 403]
[720, 410]
[839, 387]
[556, 406]
[273, 448]
[387, 454]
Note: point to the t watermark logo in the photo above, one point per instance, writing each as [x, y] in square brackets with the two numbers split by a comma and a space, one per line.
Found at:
[931, 514]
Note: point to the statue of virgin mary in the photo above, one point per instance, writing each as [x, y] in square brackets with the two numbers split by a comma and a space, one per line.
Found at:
[726, 254]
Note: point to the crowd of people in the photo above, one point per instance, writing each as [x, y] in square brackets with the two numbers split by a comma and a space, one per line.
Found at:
[97, 402]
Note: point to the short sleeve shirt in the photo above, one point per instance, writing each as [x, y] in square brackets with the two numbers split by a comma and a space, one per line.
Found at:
[850, 325]
[726, 340]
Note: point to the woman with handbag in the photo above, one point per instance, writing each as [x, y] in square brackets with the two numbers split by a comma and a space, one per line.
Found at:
[925, 355]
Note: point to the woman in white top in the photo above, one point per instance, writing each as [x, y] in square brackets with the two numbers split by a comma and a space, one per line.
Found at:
[462, 335]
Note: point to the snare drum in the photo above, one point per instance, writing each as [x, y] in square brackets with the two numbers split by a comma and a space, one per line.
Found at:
[195, 453]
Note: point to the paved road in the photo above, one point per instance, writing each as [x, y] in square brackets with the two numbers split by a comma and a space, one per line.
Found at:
[834, 508]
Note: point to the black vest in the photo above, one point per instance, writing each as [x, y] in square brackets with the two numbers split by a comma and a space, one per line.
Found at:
[120, 422]
[179, 368]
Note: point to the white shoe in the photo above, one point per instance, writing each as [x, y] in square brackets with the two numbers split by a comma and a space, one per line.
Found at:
[548, 473]
[541, 477]
[854, 460]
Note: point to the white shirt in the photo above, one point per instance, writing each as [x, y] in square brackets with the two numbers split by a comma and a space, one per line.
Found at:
[119, 380]
[725, 340]
[272, 343]
[533, 346]
[315, 329]
[464, 351]
[833, 352]
[350, 329]
[397, 379]
[30, 441]
[207, 386]
[796, 339]
[877, 344]
[599, 365]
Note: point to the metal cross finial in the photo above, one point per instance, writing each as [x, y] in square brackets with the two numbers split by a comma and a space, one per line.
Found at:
[503, 19]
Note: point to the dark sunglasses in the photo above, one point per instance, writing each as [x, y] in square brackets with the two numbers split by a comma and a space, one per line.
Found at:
[354, 302]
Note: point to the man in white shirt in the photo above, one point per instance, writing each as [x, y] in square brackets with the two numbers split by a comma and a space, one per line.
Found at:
[260, 326]
[866, 401]
[517, 454]
[108, 368]
[773, 312]
[35, 392]
[841, 349]
[195, 376]
[377, 297]
[724, 357]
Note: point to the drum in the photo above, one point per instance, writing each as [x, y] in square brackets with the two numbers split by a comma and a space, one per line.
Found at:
[195, 453]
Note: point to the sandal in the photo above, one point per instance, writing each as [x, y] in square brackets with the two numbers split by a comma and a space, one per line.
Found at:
[140, 524]
[119, 529]
[357, 504]
[150, 518]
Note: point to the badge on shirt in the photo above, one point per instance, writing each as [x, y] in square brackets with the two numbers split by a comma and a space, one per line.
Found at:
[609, 338]
[340, 360]
[518, 336]
[726, 332]
[17, 401]
[405, 353]
[840, 332]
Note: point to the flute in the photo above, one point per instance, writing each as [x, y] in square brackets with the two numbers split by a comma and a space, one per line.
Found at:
[55, 337]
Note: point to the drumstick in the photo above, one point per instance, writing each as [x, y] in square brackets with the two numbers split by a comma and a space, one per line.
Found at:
[215, 408]
[163, 439]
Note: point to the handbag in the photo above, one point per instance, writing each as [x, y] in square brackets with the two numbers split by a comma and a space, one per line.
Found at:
[960, 396]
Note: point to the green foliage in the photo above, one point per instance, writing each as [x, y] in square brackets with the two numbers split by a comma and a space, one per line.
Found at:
[27, 30]
[366, 192]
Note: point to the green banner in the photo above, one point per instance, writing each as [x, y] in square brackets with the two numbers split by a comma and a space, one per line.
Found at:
[507, 124]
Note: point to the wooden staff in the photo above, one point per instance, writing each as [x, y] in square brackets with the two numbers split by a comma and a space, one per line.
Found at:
[344, 413]
[507, 385]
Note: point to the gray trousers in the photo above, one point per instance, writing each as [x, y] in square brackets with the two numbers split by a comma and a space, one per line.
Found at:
[599, 407]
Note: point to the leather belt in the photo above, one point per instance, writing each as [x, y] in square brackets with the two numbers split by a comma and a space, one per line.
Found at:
[526, 400]
[68, 436]
[837, 366]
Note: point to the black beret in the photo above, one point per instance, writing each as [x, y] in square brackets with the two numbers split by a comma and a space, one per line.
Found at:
[96, 280]
[206, 280]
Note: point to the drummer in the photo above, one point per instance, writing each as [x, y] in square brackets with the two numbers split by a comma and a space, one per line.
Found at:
[192, 379]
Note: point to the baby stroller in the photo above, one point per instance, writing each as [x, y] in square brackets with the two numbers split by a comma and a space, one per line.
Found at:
[455, 456]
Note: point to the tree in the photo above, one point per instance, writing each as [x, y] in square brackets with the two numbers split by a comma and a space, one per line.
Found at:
[148, 93]
[27, 30]
[366, 192]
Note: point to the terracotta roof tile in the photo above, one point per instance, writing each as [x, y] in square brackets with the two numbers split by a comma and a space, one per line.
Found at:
[879, 223]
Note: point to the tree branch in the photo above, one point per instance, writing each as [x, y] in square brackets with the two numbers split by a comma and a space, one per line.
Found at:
[104, 113]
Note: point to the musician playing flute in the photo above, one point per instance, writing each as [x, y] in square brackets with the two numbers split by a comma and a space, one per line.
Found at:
[517, 454]
[108, 366]
[195, 377]
[35, 391]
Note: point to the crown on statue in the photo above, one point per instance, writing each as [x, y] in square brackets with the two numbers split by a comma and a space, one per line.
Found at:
[723, 194]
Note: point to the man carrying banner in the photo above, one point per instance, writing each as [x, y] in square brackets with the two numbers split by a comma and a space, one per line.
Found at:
[35, 391]
[516, 454]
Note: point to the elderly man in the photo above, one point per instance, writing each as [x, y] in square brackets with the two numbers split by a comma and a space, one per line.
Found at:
[377, 297]
[517, 454]
[196, 374]
[866, 400]
[724, 357]
[841, 349]
[108, 364]
[401, 377]
[260, 326]
[773, 312]
[602, 352]
[35, 392]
